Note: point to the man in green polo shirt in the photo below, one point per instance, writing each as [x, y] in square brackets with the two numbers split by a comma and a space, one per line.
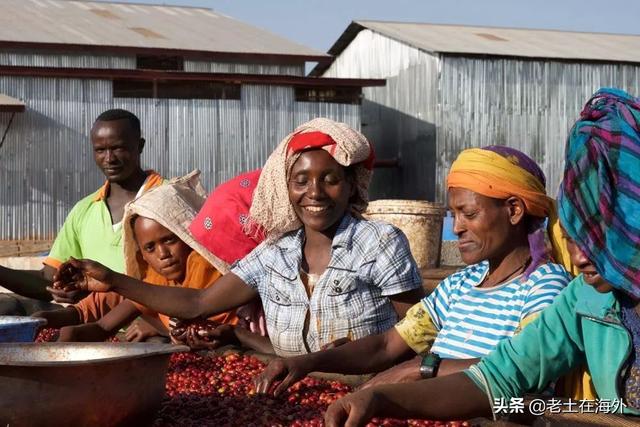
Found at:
[93, 227]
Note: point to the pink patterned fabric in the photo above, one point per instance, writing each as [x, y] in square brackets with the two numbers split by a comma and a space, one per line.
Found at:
[220, 224]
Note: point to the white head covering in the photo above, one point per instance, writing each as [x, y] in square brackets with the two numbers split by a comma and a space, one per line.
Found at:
[271, 208]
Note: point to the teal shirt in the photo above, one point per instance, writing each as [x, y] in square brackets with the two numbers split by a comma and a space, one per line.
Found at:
[581, 326]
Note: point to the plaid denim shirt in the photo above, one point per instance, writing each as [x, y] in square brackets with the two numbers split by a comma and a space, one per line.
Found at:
[370, 261]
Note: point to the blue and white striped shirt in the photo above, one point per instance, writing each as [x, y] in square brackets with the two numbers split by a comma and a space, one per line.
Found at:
[472, 320]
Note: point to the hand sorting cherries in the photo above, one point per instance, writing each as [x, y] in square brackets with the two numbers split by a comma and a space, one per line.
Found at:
[198, 327]
[68, 278]
[205, 390]
[47, 335]
[52, 335]
[209, 390]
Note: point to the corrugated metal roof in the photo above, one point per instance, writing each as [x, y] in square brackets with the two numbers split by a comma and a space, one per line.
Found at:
[137, 26]
[471, 40]
[512, 41]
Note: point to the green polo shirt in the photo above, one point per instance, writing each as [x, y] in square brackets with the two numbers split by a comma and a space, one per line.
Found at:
[88, 232]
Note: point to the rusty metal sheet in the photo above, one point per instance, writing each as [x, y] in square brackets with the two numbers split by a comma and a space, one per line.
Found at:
[138, 26]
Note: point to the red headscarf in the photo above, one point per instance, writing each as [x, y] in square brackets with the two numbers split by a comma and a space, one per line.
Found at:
[310, 140]
[220, 224]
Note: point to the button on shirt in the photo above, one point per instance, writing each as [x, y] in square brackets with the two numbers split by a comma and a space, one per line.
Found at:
[370, 261]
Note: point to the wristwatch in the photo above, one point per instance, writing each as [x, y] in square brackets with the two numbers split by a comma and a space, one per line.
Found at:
[429, 366]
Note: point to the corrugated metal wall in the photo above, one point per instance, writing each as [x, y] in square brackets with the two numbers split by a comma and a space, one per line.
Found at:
[526, 104]
[398, 118]
[66, 60]
[78, 60]
[232, 67]
[46, 163]
[440, 105]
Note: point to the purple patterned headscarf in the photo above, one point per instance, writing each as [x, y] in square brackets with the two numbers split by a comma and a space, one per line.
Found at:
[539, 252]
[599, 200]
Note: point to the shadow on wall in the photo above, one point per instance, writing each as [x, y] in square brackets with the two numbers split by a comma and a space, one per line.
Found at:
[45, 159]
[45, 167]
[411, 140]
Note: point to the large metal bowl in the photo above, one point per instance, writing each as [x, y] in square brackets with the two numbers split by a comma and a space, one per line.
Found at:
[78, 384]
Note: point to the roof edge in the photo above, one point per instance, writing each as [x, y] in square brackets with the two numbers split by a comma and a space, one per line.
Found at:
[112, 74]
[336, 49]
[364, 23]
[12, 108]
[131, 50]
[9, 104]
[358, 25]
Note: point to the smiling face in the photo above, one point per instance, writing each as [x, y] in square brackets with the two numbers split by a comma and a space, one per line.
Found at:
[486, 228]
[319, 190]
[584, 265]
[116, 149]
[161, 249]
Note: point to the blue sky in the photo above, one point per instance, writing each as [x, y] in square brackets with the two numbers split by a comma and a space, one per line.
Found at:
[318, 23]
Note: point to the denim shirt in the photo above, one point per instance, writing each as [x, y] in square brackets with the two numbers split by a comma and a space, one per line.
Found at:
[370, 261]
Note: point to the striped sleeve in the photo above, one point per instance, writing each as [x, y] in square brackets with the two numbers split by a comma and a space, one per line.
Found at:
[437, 303]
[550, 280]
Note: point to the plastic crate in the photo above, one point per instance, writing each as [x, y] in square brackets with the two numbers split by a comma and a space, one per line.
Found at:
[19, 328]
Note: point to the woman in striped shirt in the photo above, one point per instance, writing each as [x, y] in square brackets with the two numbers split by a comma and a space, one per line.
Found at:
[497, 195]
[596, 319]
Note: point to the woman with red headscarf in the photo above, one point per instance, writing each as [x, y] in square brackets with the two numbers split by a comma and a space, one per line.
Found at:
[169, 241]
[324, 274]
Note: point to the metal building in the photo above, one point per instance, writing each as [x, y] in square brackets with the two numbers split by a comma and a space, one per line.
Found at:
[452, 87]
[212, 93]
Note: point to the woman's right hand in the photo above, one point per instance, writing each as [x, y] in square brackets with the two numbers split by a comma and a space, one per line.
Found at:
[95, 276]
[289, 370]
[202, 334]
[355, 409]
[178, 332]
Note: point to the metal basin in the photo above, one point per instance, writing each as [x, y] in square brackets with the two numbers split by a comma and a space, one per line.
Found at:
[82, 384]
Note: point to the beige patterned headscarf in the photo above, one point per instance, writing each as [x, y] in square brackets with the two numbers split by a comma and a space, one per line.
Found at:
[271, 208]
[172, 205]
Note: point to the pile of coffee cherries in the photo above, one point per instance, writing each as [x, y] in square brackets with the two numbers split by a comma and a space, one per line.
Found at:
[52, 334]
[208, 390]
[47, 335]
[204, 390]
